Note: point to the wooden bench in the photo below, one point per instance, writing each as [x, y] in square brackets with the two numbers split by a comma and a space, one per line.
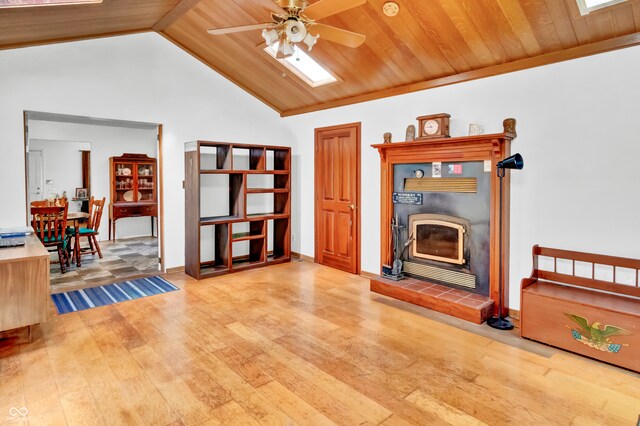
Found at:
[572, 305]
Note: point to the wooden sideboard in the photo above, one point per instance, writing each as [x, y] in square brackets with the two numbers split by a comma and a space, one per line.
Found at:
[24, 285]
[133, 188]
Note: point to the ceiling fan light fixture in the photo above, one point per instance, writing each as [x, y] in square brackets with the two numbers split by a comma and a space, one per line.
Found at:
[290, 23]
[295, 30]
[310, 40]
[270, 36]
[286, 49]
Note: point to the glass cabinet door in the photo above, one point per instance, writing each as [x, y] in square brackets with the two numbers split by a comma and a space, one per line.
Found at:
[146, 182]
[124, 181]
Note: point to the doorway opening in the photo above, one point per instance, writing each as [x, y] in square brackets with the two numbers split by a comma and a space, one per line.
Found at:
[70, 158]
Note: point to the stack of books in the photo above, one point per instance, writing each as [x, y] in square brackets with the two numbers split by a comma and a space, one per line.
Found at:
[14, 237]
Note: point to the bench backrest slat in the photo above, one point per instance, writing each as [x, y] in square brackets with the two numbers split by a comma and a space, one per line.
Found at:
[600, 259]
[594, 259]
[589, 283]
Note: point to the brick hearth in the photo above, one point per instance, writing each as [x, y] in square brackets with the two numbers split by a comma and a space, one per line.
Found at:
[458, 303]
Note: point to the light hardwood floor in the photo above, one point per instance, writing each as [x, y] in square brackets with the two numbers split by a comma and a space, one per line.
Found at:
[295, 343]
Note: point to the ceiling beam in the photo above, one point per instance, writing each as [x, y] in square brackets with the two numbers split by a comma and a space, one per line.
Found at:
[174, 14]
[522, 64]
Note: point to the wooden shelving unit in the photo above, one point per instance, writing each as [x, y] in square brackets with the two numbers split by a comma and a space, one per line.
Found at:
[238, 207]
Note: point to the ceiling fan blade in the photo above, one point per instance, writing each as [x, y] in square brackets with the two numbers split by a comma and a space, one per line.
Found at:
[275, 7]
[237, 29]
[337, 35]
[324, 8]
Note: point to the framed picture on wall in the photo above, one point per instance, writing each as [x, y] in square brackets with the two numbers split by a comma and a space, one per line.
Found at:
[81, 192]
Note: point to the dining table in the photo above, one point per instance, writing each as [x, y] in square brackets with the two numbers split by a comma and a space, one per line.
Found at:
[76, 218]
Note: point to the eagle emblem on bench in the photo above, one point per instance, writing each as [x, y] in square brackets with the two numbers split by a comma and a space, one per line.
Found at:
[597, 335]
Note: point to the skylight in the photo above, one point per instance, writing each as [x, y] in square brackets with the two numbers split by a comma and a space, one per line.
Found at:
[304, 66]
[29, 3]
[588, 6]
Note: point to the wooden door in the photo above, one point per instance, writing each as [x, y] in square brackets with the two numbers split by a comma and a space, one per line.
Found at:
[35, 173]
[337, 197]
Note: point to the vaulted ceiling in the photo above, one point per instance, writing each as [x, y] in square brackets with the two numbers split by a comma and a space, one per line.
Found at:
[429, 43]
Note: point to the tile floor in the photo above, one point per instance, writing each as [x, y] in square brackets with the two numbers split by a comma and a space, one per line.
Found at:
[125, 258]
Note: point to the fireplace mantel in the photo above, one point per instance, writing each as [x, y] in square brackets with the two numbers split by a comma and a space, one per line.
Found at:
[489, 147]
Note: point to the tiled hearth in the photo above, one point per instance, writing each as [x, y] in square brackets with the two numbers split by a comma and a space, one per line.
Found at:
[462, 304]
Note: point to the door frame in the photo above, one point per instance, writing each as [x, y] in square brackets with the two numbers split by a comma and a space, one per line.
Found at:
[160, 220]
[318, 181]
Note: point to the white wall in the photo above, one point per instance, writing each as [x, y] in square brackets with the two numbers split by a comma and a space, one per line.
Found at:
[138, 77]
[106, 141]
[576, 127]
[62, 166]
[577, 131]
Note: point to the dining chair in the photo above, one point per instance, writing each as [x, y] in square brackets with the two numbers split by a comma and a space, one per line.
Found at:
[50, 202]
[91, 231]
[50, 225]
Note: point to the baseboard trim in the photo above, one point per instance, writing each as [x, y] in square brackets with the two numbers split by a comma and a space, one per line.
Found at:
[303, 257]
[368, 274]
[175, 269]
[514, 314]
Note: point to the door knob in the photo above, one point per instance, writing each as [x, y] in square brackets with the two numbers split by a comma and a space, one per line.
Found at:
[352, 207]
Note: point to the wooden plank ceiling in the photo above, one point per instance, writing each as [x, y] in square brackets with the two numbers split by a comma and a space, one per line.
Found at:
[429, 43]
[49, 24]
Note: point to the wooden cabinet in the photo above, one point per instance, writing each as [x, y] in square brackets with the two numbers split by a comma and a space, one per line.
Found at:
[24, 285]
[133, 188]
[238, 207]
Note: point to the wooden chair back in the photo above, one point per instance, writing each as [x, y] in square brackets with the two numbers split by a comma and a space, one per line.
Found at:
[50, 223]
[49, 203]
[95, 213]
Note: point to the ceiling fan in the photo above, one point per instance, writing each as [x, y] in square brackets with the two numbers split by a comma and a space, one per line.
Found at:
[294, 22]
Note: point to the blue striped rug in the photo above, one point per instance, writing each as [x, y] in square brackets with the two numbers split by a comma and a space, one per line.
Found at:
[87, 298]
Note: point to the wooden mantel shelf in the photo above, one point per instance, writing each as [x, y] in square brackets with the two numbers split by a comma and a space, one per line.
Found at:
[489, 147]
[464, 148]
[443, 141]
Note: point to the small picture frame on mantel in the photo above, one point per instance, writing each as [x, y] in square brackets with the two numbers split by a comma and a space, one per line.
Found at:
[81, 193]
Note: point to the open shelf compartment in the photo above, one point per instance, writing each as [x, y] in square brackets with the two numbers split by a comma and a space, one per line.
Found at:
[215, 156]
[221, 197]
[279, 237]
[214, 249]
[248, 253]
[278, 158]
[243, 231]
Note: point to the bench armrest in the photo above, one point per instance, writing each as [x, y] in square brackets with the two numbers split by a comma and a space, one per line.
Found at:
[526, 282]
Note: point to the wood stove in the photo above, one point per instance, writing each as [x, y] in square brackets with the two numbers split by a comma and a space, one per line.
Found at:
[453, 266]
